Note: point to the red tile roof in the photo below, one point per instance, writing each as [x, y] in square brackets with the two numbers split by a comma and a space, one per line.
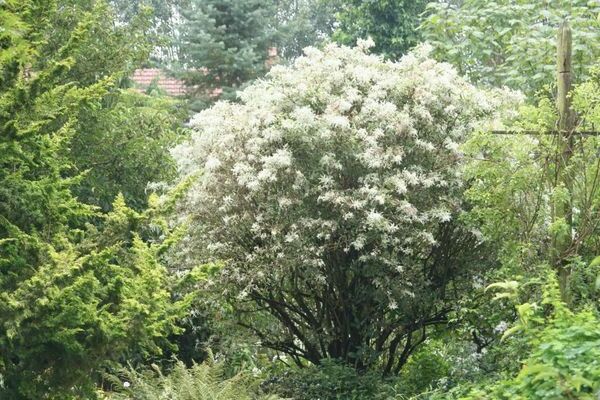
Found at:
[172, 86]
[176, 87]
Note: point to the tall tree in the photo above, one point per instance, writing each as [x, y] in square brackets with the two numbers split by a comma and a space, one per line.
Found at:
[164, 28]
[72, 299]
[224, 44]
[122, 146]
[303, 23]
[120, 142]
[392, 24]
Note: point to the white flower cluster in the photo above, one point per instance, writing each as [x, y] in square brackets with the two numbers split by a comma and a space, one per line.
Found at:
[340, 153]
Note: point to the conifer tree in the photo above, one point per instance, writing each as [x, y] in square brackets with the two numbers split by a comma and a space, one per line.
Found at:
[73, 300]
[224, 44]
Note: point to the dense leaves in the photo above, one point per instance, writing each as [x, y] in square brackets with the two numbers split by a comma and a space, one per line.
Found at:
[122, 147]
[515, 187]
[303, 23]
[392, 24]
[81, 308]
[563, 362]
[226, 45]
[511, 43]
[73, 299]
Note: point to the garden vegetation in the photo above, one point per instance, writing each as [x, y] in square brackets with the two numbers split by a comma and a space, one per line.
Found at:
[353, 200]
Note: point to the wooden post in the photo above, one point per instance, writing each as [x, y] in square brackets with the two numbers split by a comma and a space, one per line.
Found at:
[566, 122]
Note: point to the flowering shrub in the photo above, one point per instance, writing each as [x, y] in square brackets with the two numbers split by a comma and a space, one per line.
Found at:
[332, 192]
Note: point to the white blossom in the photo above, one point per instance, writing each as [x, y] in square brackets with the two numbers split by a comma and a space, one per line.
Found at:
[340, 151]
[212, 163]
[374, 218]
[501, 327]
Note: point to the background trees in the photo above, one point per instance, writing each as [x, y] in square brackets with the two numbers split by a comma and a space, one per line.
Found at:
[225, 44]
[391, 24]
[303, 23]
[123, 144]
[218, 47]
[121, 140]
[511, 43]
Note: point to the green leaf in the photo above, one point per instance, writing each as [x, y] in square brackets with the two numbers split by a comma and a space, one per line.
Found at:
[595, 262]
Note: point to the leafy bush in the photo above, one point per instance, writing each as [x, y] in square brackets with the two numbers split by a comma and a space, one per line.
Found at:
[514, 186]
[565, 360]
[84, 308]
[424, 370]
[330, 381]
[565, 364]
[122, 145]
[72, 300]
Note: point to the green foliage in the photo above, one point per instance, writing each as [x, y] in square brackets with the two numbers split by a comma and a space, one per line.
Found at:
[84, 307]
[73, 300]
[224, 44]
[352, 253]
[163, 25]
[122, 146]
[330, 381]
[83, 34]
[120, 139]
[512, 43]
[341, 209]
[564, 364]
[36, 206]
[303, 23]
[514, 186]
[291, 26]
[392, 24]
[201, 326]
[37, 116]
[425, 369]
[513, 190]
[199, 382]
[564, 361]
[584, 282]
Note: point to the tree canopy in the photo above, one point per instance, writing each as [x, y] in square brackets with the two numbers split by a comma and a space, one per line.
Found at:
[511, 43]
[75, 298]
[391, 24]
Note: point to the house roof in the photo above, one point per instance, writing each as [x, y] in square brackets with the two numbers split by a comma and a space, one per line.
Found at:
[145, 76]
